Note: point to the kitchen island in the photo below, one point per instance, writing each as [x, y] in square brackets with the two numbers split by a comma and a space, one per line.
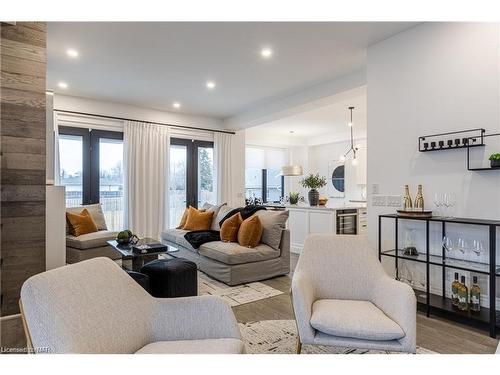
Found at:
[348, 218]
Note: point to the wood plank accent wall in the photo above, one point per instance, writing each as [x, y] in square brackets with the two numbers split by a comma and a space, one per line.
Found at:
[23, 132]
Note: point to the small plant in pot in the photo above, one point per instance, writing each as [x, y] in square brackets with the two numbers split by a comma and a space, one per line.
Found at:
[294, 198]
[313, 182]
[495, 160]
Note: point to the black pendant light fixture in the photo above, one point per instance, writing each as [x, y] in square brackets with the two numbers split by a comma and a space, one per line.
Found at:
[352, 149]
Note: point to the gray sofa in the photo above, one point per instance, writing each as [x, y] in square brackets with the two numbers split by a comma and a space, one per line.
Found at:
[91, 245]
[234, 264]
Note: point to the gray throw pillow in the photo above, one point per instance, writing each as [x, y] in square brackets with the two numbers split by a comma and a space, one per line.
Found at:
[223, 211]
[215, 209]
[273, 223]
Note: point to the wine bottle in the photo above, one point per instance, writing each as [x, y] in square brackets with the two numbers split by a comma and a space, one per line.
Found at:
[454, 290]
[463, 295]
[407, 204]
[419, 199]
[475, 295]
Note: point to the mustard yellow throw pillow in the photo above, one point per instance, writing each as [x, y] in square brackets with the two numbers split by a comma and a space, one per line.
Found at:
[183, 219]
[250, 232]
[230, 227]
[198, 220]
[81, 223]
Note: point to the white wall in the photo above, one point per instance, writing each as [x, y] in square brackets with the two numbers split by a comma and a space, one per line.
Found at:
[319, 159]
[433, 78]
[78, 104]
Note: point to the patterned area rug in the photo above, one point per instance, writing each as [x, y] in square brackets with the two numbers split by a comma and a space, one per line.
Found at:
[235, 295]
[280, 337]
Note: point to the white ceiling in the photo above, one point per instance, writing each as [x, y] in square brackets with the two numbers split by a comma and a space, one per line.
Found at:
[325, 124]
[154, 64]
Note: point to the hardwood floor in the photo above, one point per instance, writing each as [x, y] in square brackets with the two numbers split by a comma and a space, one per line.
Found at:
[433, 333]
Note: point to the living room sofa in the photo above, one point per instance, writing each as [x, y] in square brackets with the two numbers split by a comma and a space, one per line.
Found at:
[91, 245]
[234, 264]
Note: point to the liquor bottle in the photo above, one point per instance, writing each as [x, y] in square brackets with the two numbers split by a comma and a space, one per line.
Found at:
[454, 290]
[475, 295]
[463, 295]
[407, 205]
[419, 199]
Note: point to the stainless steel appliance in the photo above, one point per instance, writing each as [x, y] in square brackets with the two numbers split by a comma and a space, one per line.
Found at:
[347, 221]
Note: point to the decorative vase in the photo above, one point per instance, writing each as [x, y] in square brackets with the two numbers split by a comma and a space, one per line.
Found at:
[294, 200]
[313, 196]
[495, 163]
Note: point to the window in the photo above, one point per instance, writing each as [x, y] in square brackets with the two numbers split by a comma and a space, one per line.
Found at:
[263, 180]
[91, 169]
[191, 177]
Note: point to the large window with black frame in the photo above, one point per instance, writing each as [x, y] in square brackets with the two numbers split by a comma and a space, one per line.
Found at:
[91, 169]
[263, 180]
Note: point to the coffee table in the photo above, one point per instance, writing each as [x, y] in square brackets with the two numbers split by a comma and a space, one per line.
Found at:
[138, 259]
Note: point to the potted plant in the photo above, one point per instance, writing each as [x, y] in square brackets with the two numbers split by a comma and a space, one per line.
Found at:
[313, 182]
[294, 198]
[495, 160]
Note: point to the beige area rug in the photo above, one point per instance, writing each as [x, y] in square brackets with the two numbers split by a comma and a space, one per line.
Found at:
[280, 337]
[235, 295]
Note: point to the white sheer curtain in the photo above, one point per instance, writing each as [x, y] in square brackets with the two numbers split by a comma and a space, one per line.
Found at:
[223, 167]
[146, 153]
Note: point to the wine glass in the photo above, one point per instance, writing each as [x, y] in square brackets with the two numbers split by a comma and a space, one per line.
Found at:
[477, 247]
[438, 202]
[451, 201]
[447, 244]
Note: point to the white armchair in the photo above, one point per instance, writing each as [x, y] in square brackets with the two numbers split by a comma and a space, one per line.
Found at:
[342, 297]
[95, 307]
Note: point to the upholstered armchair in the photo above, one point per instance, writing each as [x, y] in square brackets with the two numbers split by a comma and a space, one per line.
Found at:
[95, 307]
[342, 297]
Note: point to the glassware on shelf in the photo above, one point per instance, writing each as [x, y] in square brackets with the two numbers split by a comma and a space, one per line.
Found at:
[410, 245]
[448, 244]
[478, 247]
[438, 202]
[449, 201]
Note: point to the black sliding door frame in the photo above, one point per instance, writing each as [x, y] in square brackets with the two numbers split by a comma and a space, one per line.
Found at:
[85, 134]
[95, 136]
[192, 147]
[90, 158]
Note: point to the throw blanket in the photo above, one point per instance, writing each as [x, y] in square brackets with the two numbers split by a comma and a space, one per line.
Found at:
[197, 238]
[245, 212]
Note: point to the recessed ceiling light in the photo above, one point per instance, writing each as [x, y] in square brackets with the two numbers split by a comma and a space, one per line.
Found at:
[62, 85]
[266, 53]
[176, 105]
[210, 85]
[72, 52]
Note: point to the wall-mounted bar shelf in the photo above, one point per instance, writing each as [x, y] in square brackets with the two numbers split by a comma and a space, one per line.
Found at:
[481, 168]
[439, 304]
[451, 140]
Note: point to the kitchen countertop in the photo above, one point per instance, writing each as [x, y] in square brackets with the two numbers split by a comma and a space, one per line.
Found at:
[350, 206]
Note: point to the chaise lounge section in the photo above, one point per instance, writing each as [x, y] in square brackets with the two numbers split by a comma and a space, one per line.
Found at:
[234, 264]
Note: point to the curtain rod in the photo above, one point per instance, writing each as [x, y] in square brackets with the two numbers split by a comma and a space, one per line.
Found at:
[148, 122]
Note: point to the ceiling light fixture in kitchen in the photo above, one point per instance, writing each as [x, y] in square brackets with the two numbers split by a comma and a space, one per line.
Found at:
[352, 148]
[291, 170]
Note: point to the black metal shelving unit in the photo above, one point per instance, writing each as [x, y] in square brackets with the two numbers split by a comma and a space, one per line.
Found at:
[439, 304]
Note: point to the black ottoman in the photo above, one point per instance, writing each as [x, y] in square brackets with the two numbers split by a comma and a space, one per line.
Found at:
[172, 278]
[140, 278]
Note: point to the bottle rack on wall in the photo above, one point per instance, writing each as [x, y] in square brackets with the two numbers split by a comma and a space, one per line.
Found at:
[451, 140]
[441, 305]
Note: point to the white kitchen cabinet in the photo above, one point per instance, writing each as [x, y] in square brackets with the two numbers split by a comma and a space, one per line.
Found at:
[305, 220]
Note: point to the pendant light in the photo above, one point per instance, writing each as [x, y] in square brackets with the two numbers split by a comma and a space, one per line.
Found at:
[291, 170]
[352, 148]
